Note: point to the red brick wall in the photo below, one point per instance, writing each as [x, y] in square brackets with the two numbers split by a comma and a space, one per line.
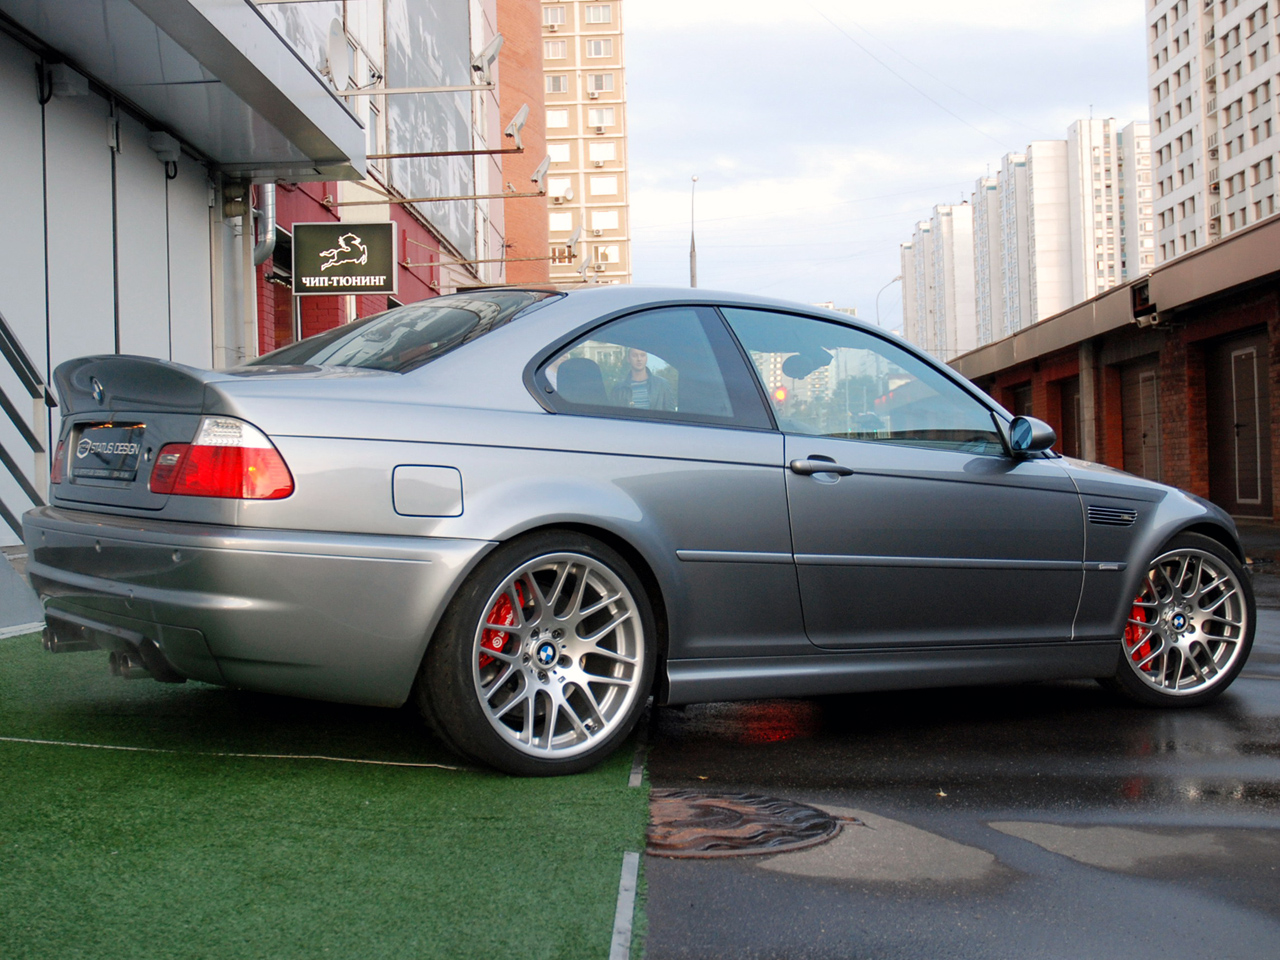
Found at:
[1045, 376]
[520, 81]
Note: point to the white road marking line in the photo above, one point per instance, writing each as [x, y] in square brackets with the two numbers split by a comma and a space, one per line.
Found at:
[622, 918]
[20, 629]
[248, 756]
[637, 766]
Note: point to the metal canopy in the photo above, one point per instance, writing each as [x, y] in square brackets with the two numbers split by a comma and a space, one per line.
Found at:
[215, 73]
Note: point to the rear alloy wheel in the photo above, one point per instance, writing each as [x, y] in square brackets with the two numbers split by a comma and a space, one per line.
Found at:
[1190, 627]
[544, 661]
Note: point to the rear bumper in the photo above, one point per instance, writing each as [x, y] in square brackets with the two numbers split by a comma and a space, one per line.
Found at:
[326, 615]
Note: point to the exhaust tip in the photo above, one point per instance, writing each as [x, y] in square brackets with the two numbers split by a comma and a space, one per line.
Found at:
[132, 668]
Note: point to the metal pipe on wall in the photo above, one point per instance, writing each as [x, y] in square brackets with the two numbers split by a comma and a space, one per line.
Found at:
[266, 218]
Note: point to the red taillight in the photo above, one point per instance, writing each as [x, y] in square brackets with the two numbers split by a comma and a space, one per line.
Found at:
[228, 458]
[59, 468]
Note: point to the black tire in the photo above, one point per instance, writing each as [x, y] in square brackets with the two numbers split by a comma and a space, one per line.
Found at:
[590, 697]
[1204, 652]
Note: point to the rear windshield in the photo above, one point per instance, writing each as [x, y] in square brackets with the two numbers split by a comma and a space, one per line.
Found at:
[409, 336]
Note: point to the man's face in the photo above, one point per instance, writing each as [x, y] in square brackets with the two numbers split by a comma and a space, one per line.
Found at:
[638, 359]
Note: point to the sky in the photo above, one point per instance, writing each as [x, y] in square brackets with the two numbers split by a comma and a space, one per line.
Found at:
[821, 131]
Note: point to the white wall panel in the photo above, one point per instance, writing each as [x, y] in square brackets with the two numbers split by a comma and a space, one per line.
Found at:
[143, 249]
[190, 290]
[81, 283]
[22, 239]
[21, 260]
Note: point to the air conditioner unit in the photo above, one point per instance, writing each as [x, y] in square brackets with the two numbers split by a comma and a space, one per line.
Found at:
[596, 232]
[599, 163]
[553, 27]
[557, 199]
[599, 267]
[599, 130]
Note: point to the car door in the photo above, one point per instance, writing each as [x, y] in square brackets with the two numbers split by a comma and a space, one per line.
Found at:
[923, 531]
[679, 435]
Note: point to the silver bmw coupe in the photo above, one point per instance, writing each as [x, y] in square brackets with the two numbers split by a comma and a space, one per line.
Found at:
[530, 510]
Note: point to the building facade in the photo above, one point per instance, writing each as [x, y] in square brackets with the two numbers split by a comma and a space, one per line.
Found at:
[988, 263]
[1213, 76]
[586, 128]
[1015, 244]
[166, 151]
[1174, 376]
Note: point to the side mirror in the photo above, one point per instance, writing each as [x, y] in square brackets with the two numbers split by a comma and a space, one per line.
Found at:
[1029, 435]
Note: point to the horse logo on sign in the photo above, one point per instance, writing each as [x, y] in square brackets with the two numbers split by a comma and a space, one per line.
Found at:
[350, 249]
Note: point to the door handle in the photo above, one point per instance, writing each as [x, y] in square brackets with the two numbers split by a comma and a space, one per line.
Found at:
[807, 468]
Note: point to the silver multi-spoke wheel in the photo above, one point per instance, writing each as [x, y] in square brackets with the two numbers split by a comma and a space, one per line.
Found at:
[559, 655]
[1189, 625]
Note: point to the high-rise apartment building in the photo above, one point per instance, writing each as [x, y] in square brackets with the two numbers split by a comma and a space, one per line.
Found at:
[918, 305]
[1137, 218]
[1109, 186]
[1214, 137]
[954, 316]
[1049, 222]
[988, 263]
[1015, 244]
[582, 43]
[1058, 224]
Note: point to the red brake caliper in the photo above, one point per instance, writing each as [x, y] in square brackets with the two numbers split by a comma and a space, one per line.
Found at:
[1133, 633]
[504, 615]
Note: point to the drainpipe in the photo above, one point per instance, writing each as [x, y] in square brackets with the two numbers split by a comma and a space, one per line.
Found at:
[266, 218]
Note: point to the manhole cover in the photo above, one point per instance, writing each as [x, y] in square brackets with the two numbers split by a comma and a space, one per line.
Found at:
[686, 823]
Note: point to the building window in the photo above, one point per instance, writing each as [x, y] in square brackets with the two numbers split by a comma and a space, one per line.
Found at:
[553, 16]
[604, 186]
[557, 118]
[558, 152]
[599, 117]
[560, 222]
[604, 219]
[554, 49]
[557, 83]
[602, 150]
[600, 82]
[600, 48]
[559, 187]
[599, 13]
[606, 253]
[561, 254]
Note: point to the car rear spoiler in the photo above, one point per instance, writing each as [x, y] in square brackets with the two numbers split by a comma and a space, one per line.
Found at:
[130, 383]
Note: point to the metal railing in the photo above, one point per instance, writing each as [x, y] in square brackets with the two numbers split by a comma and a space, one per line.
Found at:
[32, 434]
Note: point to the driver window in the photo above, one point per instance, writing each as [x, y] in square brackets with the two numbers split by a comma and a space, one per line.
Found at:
[825, 379]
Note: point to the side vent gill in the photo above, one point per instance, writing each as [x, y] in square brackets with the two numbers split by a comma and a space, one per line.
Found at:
[1112, 516]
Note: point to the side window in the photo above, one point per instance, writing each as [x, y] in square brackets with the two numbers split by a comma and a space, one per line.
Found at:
[828, 380]
[675, 363]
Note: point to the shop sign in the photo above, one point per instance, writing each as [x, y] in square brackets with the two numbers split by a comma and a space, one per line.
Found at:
[342, 258]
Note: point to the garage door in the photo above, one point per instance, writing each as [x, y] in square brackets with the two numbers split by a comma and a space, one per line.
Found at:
[1239, 425]
[1140, 408]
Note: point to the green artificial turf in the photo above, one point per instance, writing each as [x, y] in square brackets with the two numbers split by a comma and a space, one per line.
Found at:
[107, 854]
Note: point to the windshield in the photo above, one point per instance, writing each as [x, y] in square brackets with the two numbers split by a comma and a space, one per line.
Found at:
[407, 337]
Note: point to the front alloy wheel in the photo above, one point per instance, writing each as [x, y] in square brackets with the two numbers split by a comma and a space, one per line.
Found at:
[544, 661]
[1190, 627]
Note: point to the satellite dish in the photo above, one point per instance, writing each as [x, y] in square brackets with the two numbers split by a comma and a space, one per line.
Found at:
[575, 237]
[338, 55]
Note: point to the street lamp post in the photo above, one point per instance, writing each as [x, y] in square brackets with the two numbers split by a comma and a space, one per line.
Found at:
[693, 247]
[882, 290]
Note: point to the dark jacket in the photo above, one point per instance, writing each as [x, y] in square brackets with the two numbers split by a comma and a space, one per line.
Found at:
[660, 395]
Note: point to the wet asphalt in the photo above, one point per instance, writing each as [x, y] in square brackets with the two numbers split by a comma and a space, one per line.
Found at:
[1032, 821]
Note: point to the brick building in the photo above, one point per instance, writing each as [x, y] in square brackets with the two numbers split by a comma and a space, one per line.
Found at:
[1174, 376]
